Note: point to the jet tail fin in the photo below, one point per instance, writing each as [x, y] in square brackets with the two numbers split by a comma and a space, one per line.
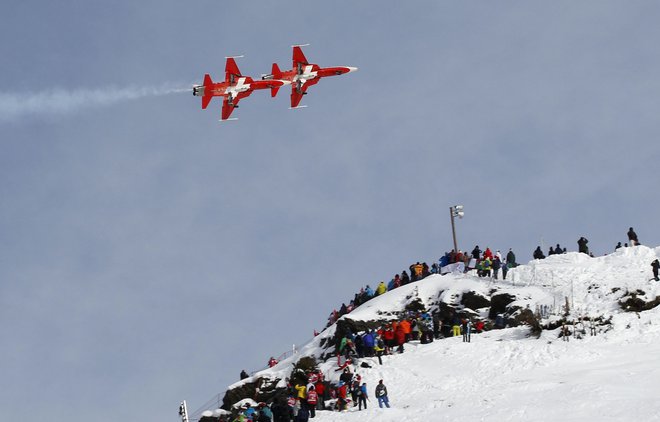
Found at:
[273, 90]
[206, 100]
[276, 72]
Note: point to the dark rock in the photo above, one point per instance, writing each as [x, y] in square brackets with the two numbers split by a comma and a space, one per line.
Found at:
[474, 300]
[631, 302]
[261, 390]
[499, 303]
[527, 317]
[415, 305]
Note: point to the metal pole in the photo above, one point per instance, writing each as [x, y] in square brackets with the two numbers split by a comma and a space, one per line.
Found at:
[183, 411]
[453, 229]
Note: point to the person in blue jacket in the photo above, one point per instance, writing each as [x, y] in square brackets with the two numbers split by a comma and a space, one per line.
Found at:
[369, 341]
[362, 396]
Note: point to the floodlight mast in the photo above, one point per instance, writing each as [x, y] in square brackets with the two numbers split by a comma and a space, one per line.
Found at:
[183, 411]
[455, 211]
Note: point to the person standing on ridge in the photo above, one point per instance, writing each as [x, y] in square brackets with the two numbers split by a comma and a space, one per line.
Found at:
[381, 395]
[476, 252]
[582, 245]
[381, 289]
[496, 266]
[655, 265]
[632, 237]
[511, 259]
[538, 253]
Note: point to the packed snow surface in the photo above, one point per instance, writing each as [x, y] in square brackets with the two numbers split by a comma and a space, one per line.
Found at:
[508, 375]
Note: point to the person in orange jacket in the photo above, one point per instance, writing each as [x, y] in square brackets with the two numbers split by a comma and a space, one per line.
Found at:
[407, 329]
[418, 268]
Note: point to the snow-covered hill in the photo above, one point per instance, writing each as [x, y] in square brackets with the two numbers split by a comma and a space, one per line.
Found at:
[507, 374]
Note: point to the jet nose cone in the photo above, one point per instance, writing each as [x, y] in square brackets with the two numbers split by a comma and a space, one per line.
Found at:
[351, 69]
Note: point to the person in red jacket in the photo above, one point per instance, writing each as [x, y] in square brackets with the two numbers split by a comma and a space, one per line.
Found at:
[488, 254]
[341, 395]
[319, 387]
[312, 401]
[388, 337]
[400, 337]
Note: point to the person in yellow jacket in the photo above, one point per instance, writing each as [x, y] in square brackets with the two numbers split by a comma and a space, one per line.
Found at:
[301, 396]
[302, 392]
[382, 288]
[379, 348]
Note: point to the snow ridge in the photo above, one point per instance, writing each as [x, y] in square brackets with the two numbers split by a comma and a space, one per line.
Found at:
[508, 375]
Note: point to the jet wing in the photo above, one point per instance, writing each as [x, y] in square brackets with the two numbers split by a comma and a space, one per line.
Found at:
[299, 57]
[228, 107]
[232, 73]
[299, 89]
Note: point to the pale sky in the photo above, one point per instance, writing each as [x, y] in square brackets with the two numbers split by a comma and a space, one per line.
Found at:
[150, 252]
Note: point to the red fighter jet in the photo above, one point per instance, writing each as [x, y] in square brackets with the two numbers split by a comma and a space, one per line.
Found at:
[304, 74]
[234, 88]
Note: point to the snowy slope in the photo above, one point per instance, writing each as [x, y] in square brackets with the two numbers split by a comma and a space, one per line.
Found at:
[506, 375]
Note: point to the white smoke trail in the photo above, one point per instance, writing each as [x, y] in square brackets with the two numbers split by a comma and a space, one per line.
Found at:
[14, 106]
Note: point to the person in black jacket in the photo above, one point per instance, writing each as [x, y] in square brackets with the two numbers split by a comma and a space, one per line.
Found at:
[476, 252]
[404, 278]
[496, 266]
[511, 259]
[280, 411]
[655, 265]
[632, 237]
[582, 245]
[538, 253]
[381, 394]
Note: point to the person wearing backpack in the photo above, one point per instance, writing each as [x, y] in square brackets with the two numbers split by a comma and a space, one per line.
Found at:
[381, 395]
